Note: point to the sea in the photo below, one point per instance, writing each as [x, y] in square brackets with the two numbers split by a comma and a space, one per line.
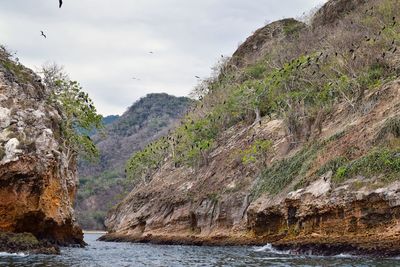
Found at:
[113, 254]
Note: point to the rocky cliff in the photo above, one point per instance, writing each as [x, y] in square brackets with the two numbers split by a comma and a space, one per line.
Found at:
[298, 145]
[37, 183]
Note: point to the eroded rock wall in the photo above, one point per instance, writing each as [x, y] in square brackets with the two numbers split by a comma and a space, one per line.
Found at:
[215, 204]
[37, 181]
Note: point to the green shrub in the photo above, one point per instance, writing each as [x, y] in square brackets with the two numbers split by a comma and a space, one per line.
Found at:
[292, 27]
[144, 163]
[256, 71]
[390, 127]
[381, 163]
[257, 152]
[333, 165]
[372, 76]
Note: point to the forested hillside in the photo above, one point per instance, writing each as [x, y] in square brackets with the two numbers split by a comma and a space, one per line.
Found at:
[102, 183]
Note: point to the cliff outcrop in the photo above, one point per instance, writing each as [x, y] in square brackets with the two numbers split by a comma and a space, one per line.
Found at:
[37, 182]
[306, 154]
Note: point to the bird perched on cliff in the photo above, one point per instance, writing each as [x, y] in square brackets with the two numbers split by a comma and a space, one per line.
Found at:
[60, 2]
[42, 34]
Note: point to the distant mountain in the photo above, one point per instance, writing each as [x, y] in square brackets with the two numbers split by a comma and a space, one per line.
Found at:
[103, 183]
[110, 119]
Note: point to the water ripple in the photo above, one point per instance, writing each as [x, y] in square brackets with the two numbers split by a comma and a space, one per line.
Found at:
[139, 255]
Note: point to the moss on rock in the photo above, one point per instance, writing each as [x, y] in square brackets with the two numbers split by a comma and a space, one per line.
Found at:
[25, 242]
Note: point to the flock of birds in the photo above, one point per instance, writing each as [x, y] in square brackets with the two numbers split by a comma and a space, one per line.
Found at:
[311, 61]
[60, 3]
[170, 140]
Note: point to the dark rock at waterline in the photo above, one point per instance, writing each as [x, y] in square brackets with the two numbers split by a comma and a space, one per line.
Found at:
[26, 243]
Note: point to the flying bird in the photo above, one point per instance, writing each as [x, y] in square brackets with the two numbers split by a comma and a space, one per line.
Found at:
[60, 3]
[151, 52]
[42, 34]
[197, 77]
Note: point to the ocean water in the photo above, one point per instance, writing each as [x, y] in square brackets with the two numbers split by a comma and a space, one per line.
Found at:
[127, 254]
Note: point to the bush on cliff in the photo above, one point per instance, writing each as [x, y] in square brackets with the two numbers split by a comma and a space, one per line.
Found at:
[79, 114]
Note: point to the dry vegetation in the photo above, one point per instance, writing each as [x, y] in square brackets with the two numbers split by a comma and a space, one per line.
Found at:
[299, 79]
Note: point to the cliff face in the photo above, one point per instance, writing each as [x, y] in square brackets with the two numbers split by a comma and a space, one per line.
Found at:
[37, 184]
[310, 175]
[217, 204]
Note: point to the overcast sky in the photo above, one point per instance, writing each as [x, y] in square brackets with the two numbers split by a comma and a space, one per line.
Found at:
[103, 44]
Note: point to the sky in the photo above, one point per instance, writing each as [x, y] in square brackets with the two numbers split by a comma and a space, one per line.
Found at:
[105, 44]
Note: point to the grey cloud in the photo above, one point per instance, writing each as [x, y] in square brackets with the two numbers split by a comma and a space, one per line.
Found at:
[103, 43]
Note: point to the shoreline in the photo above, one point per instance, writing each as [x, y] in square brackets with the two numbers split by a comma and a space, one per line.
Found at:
[306, 245]
[94, 232]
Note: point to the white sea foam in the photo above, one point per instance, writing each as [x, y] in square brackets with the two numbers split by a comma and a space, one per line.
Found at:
[344, 255]
[6, 254]
[270, 248]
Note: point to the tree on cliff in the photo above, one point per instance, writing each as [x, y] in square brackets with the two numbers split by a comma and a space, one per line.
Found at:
[79, 115]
